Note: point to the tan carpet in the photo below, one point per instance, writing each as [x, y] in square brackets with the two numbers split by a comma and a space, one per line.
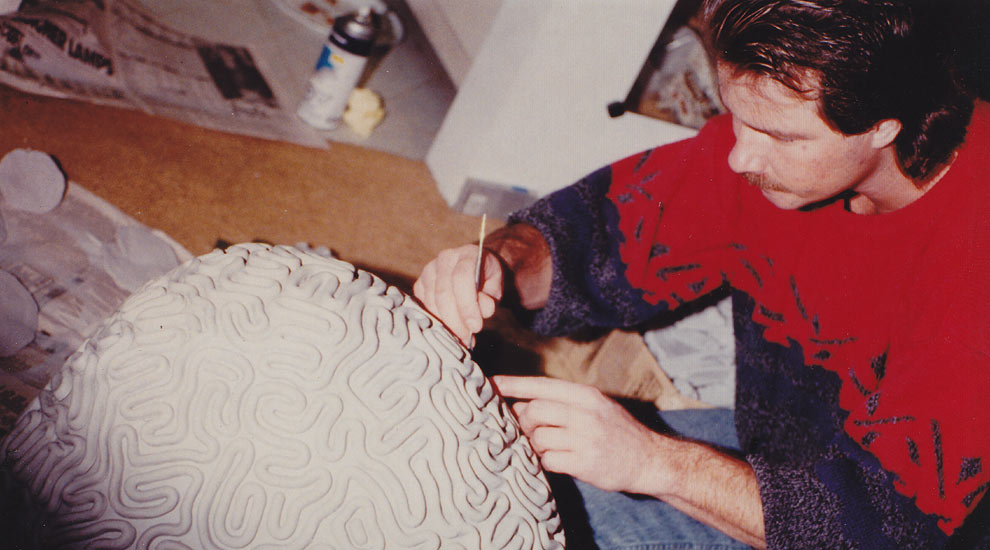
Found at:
[378, 211]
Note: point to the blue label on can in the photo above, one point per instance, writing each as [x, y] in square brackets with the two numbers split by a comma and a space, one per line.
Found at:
[324, 60]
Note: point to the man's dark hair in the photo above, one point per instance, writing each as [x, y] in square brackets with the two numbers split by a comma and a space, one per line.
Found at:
[864, 60]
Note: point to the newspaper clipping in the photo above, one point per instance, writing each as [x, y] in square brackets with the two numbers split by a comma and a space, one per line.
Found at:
[113, 52]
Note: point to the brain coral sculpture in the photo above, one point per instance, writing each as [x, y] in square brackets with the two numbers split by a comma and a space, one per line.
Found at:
[273, 398]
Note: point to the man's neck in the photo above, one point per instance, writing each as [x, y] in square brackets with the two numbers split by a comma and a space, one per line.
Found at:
[888, 189]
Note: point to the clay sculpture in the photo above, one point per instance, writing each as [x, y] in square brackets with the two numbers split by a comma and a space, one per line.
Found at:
[269, 397]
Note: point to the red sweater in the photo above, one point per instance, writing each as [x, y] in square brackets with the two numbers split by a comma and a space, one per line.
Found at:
[862, 341]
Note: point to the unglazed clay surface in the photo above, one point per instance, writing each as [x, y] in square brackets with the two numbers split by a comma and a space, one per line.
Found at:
[273, 398]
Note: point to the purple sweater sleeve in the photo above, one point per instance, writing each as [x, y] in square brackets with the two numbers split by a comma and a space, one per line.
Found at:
[589, 289]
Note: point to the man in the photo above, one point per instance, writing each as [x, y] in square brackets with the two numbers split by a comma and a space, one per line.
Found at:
[841, 202]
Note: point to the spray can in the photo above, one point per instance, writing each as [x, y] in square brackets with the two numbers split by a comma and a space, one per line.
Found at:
[341, 63]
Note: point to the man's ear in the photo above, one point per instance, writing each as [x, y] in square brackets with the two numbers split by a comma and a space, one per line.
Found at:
[885, 132]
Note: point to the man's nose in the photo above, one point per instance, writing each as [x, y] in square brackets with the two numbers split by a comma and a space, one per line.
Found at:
[748, 155]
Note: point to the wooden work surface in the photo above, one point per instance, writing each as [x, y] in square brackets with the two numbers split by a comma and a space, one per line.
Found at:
[378, 211]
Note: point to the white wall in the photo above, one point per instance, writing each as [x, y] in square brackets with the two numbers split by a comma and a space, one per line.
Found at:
[456, 29]
[531, 111]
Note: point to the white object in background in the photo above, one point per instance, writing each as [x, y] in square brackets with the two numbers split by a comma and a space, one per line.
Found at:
[326, 96]
[31, 181]
[365, 111]
[18, 315]
[136, 256]
[9, 6]
[698, 353]
[533, 111]
[338, 70]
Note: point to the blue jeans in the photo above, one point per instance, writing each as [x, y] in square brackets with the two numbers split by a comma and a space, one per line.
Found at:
[600, 520]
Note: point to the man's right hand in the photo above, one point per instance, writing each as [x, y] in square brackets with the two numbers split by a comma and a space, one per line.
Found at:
[447, 288]
[516, 252]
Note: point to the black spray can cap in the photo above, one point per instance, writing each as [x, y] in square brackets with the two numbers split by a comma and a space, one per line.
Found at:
[356, 32]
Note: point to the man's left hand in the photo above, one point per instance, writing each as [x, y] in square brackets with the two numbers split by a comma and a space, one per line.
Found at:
[577, 430]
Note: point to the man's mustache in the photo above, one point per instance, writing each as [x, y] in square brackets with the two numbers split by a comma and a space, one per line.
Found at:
[763, 182]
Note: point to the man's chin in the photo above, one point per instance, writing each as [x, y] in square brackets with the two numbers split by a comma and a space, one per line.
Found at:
[783, 199]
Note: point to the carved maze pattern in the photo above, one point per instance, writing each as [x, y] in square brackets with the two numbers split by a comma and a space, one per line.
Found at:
[272, 398]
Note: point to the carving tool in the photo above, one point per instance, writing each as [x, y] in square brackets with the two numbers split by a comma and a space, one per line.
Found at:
[481, 244]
